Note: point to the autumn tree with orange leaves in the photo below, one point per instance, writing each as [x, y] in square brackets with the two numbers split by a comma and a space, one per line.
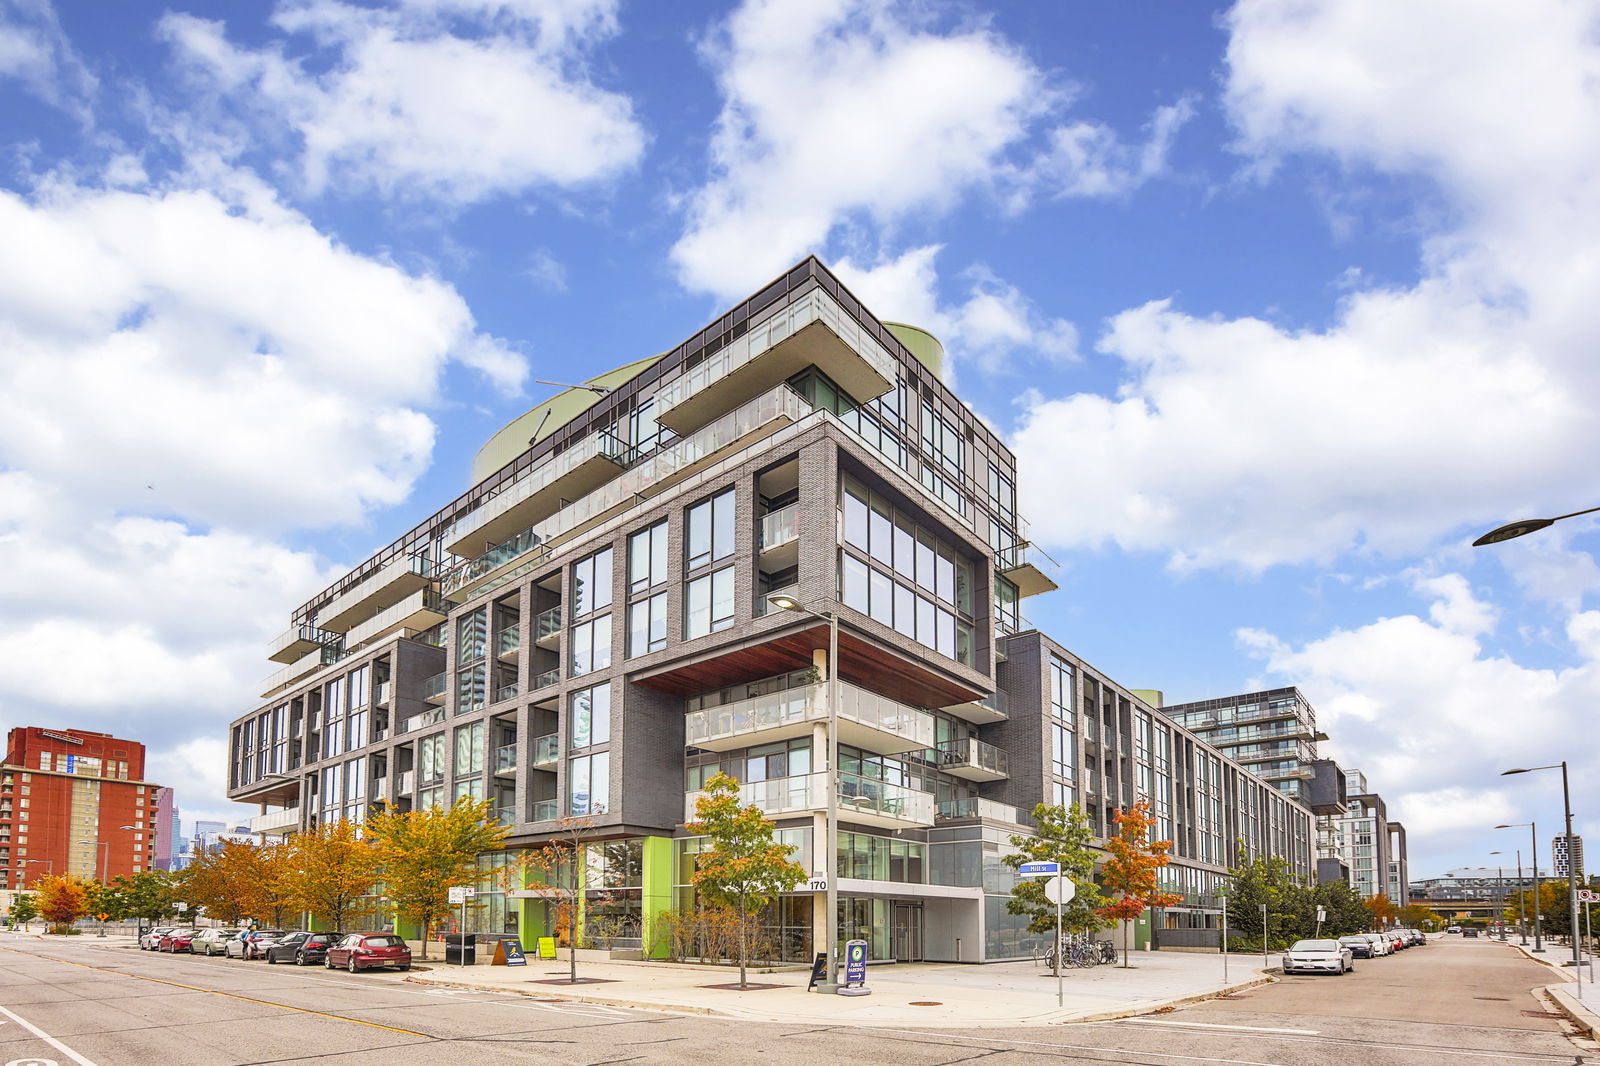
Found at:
[1130, 873]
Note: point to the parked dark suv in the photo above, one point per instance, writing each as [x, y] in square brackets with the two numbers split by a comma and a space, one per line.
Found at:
[302, 949]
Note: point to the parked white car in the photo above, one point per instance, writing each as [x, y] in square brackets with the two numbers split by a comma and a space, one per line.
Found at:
[1318, 956]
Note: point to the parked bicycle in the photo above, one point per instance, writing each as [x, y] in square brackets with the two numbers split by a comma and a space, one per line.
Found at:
[1078, 951]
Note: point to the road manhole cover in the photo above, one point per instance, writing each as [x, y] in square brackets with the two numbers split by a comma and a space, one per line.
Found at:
[926, 1003]
[1542, 1014]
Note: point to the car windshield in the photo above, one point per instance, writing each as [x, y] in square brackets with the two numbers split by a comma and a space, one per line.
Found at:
[322, 938]
[1315, 945]
[383, 942]
[1354, 940]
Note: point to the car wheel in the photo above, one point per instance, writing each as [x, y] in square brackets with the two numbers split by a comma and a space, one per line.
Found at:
[271, 959]
[352, 964]
[328, 963]
[299, 958]
[406, 966]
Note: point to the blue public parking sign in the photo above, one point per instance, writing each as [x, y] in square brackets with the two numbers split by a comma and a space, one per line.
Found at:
[855, 962]
[1039, 869]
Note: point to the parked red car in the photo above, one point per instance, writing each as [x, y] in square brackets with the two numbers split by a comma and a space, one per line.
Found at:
[177, 940]
[366, 951]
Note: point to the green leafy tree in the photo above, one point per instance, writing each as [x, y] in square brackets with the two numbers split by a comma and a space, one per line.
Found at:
[424, 853]
[743, 867]
[1059, 835]
[1251, 883]
[1421, 916]
[1131, 871]
[147, 896]
[24, 908]
[330, 870]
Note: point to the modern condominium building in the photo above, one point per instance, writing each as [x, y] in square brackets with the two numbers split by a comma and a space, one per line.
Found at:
[74, 802]
[1567, 851]
[785, 535]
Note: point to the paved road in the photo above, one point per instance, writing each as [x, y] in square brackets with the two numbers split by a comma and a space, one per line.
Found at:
[61, 1002]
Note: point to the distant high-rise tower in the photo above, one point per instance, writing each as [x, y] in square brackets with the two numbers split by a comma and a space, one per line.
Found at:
[1564, 849]
[169, 842]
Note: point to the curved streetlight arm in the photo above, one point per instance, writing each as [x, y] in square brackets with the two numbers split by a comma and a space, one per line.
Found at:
[1522, 527]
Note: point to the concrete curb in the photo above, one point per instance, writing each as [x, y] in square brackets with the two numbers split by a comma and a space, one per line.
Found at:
[1579, 1011]
[1047, 1018]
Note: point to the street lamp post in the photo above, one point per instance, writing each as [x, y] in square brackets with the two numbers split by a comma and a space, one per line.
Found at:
[1522, 527]
[831, 789]
[1538, 908]
[1572, 867]
[1499, 919]
[1522, 919]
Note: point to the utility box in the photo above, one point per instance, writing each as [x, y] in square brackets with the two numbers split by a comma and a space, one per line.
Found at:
[460, 949]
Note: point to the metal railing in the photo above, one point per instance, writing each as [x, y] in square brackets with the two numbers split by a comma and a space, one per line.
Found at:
[970, 751]
[600, 445]
[433, 685]
[548, 623]
[546, 810]
[780, 527]
[505, 758]
[507, 691]
[809, 703]
[546, 679]
[509, 640]
[547, 749]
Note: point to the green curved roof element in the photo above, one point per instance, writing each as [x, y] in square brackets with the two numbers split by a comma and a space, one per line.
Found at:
[920, 343]
[545, 419]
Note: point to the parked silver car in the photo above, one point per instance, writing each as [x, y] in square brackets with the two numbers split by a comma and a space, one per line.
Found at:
[147, 942]
[211, 942]
[1318, 956]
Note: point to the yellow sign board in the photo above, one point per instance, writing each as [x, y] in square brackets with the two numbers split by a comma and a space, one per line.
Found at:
[547, 947]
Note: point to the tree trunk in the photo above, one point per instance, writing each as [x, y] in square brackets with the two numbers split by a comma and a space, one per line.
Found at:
[743, 938]
[427, 927]
[572, 942]
[1127, 928]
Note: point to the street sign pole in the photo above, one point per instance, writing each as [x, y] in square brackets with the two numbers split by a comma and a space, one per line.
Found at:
[1224, 896]
[1264, 963]
[1059, 890]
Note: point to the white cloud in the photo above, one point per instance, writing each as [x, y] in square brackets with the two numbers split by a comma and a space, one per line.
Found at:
[183, 342]
[896, 121]
[35, 52]
[1456, 401]
[992, 326]
[414, 101]
[1432, 717]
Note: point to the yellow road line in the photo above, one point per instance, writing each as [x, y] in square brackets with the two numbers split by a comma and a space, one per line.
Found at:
[214, 992]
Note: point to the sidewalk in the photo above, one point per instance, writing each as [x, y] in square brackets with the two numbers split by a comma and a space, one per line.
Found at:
[924, 994]
[1580, 1002]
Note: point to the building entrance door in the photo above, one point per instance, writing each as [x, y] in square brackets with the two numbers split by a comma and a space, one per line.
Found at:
[907, 932]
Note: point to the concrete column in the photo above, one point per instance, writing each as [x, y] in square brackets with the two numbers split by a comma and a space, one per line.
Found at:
[821, 861]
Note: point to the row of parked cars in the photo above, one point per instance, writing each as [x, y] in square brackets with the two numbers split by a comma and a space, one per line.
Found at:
[1339, 955]
[351, 951]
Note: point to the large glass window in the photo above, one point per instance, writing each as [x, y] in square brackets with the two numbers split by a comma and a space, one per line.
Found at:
[589, 784]
[591, 646]
[590, 714]
[647, 558]
[1062, 704]
[472, 635]
[591, 583]
[430, 759]
[710, 530]
[647, 624]
[708, 604]
[469, 749]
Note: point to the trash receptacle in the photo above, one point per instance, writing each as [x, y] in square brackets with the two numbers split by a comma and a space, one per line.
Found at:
[460, 949]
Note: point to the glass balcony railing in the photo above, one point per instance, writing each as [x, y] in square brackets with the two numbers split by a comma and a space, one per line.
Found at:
[864, 795]
[546, 750]
[764, 605]
[816, 306]
[505, 814]
[505, 692]
[780, 527]
[970, 752]
[509, 642]
[433, 687]
[505, 759]
[548, 623]
[546, 475]
[975, 807]
[546, 678]
[546, 810]
[865, 718]
[859, 799]
[644, 478]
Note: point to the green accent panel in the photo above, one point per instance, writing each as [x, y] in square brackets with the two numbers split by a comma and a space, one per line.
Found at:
[1153, 696]
[562, 408]
[920, 343]
[1142, 931]
[660, 872]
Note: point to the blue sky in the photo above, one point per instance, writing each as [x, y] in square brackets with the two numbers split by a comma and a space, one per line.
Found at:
[1280, 303]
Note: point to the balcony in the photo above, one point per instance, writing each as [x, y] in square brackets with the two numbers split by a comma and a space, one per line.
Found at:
[297, 641]
[305, 666]
[546, 678]
[505, 692]
[508, 643]
[547, 628]
[764, 604]
[539, 492]
[546, 810]
[988, 710]
[1024, 568]
[974, 760]
[383, 694]
[866, 720]
[546, 751]
[532, 547]
[391, 584]
[421, 720]
[505, 814]
[505, 760]
[812, 331]
[421, 610]
[780, 538]
[433, 688]
[276, 822]
[407, 783]
[860, 799]
[975, 807]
